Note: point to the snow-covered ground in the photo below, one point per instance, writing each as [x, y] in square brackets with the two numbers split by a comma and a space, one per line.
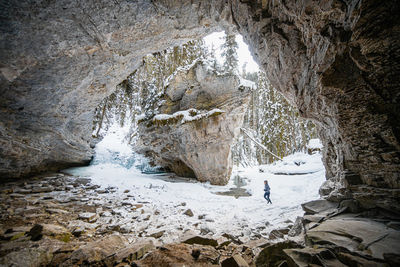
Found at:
[244, 215]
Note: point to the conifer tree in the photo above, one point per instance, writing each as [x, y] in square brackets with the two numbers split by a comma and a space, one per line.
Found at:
[229, 53]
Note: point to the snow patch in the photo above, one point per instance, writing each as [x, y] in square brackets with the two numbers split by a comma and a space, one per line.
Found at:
[314, 144]
[187, 115]
[247, 83]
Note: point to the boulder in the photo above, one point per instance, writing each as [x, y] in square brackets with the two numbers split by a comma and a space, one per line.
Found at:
[36, 232]
[188, 212]
[201, 241]
[319, 206]
[96, 251]
[234, 261]
[131, 253]
[318, 256]
[201, 115]
[88, 216]
[297, 228]
[273, 255]
[358, 235]
[181, 255]
[30, 257]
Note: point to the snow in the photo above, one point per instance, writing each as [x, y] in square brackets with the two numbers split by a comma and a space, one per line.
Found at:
[140, 117]
[297, 163]
[314, 144]
[243, 215]
[247, 83]
[187, 115]
[185, 68]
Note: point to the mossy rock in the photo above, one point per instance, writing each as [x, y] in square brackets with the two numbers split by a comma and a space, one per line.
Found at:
[66, 237]
[17, 236]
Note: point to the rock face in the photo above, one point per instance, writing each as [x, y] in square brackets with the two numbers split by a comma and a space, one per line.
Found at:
[201, 115]
[337, 61]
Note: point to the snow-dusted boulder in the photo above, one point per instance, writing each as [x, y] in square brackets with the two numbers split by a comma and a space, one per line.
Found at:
[200, 116]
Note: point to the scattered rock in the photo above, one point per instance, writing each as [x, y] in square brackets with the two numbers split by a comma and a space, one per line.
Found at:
[201, 241]
[95, 251]
[88, 216]
[133, 252]
[274, 234]
[36, 232]
[297, 228]
[78, 231]
[57, 211]
[27, 257]
[234, 261]
[137, 206]
[188, 212]
[273, 255]
[42, 189]
[157, 234]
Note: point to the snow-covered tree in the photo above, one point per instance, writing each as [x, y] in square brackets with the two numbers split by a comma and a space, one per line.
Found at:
[229, 54]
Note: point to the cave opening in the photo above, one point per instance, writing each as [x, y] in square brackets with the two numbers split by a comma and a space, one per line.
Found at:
[270, 143]
[336, 61]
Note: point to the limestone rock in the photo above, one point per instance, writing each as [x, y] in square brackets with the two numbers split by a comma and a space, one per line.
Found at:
[319, 206]
[202, 114]
[234, 261]
[318, 256]
[273, 255]
[188, 212]
[88, 216]
[181, 254]
[131, 253]
[36, 232]
[201, 241]
[297, 228]
[95, 251]
[359, 235]
[32, 257]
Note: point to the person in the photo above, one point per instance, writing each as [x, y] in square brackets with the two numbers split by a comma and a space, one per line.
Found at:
[267, 190]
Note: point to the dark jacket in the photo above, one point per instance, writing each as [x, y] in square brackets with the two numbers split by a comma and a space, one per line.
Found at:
[266, 188]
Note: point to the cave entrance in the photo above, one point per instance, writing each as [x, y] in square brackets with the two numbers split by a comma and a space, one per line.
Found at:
[273, 144]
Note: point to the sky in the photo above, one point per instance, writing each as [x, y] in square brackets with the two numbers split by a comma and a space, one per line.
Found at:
[244, 56]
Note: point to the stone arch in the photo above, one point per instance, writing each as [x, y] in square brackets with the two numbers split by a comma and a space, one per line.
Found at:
[337, 61]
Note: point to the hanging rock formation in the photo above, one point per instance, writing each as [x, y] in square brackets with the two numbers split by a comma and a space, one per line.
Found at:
[337, 61]
[201, 116]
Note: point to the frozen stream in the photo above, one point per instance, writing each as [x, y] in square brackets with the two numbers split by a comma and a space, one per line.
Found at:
[169, 196]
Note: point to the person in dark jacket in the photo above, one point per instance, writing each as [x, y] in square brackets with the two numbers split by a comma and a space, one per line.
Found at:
[267, 191]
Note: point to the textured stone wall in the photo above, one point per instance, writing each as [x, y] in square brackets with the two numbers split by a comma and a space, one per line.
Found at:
[197, 144]
[337, 61]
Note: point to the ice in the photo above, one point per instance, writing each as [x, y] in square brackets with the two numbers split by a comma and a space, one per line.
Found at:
[222, 213]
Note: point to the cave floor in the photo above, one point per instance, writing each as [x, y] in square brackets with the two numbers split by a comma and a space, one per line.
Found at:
[63, 220]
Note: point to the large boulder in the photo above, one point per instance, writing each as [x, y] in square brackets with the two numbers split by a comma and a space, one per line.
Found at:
[201, 115]
[363, 236]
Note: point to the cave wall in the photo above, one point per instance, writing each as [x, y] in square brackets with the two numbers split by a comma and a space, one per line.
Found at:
[337, 61]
